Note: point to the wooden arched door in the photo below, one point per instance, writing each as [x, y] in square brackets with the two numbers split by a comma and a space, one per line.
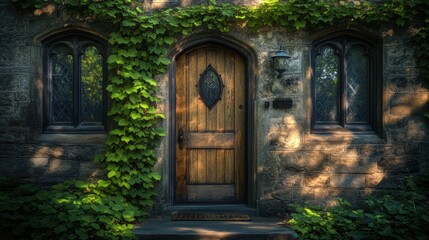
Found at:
[210, 126]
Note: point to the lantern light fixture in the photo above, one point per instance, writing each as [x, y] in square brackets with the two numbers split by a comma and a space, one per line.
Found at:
[280, 61]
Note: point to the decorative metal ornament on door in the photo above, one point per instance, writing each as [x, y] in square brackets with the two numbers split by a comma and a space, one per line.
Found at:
[210, 87]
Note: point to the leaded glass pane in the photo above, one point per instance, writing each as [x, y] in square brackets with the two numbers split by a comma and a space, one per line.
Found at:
[91, 87]
[62, 85]
[326, 85]
[357, 109]
[210, 87]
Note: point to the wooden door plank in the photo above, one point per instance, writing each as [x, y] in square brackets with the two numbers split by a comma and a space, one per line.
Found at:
[211, 166]
[192, 94]
[240, 188]
[220, 161]
[220, 66]
[202, 117]
[212, 113]
[192, 114]
[202, 166]
[229, 166]
[193, 166]
[229, 81]
[181, 120]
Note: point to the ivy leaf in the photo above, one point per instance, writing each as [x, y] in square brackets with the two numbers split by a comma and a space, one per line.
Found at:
[168, 40]
[300, 24]
[128, 23]
[103, 183]
[111, 174]
[126, 139]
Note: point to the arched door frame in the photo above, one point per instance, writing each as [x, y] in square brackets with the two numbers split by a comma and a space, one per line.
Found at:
[249, 55]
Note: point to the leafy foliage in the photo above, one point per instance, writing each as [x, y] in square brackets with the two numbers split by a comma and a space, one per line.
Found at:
[386, 217]
[72, 210]
[139, 44]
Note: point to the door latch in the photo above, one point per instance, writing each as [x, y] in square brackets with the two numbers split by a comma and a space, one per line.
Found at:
[180, 138]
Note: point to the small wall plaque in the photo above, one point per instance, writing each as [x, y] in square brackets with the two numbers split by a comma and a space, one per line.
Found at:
[282, 103]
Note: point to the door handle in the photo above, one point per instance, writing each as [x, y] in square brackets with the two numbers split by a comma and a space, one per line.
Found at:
[180, 138]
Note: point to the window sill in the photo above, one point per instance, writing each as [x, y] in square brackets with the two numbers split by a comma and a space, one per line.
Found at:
[95, 138]
[343, 137]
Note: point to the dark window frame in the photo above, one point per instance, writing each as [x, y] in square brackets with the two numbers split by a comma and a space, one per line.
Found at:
[342, 41]
[76, 42]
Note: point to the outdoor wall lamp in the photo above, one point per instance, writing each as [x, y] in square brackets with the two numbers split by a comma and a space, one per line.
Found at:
[280, 61]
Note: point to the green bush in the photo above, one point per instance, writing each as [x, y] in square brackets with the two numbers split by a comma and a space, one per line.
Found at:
[403, 216]
[73, 210]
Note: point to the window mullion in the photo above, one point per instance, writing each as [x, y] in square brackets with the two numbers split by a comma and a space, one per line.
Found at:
[343, 86]
[76, 85]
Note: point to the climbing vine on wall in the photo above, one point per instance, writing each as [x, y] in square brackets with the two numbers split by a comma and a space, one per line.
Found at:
[139, 44]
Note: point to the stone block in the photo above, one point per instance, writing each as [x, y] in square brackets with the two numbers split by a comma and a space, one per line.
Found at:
[21, 96]
[7, 83]
[399, 84]
[22, 56]
[417, 127]
[16, 39]
[8, 150]
[23, 167]
[398, 164]
[418, 85]
[354, 163]
[408, 104]
[281, 194]
[316, 180]
[392, 122]
[6, 56]
[412, 148]
[7, 24]
[400, 56]
[347, 180]
[382, 181]
[66, 151]
[58, 167]
[284, 135]
[404, 135]
[12, 135]
[89, 170]
[286, 85]
[303, 193]
[271, 208]
[297, 161]
[6, 100]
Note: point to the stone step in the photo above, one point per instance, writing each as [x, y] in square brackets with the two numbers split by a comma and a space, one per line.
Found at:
[214, 208]
[258, 229]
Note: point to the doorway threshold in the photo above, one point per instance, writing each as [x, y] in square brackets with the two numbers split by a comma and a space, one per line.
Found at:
[212, 208]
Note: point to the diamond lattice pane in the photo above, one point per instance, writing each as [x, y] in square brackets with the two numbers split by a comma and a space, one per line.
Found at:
[357, 85]
[91, 105]
[210, 87]
[326, 85]
[62, 85]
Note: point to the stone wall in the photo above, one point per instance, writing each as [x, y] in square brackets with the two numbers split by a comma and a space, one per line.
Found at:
[25, 152]
[291, 164]
[295, 166]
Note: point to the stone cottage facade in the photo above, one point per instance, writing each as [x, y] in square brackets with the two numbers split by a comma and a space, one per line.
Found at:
[345, 119]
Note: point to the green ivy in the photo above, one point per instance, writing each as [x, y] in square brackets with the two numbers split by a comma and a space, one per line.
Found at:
[139, 44]
[404, 216]
[72, 210]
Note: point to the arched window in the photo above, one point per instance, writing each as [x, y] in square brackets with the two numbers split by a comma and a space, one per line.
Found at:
[74, 83]
[345, 85]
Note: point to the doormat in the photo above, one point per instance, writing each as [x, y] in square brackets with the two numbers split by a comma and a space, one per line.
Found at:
[210, 217]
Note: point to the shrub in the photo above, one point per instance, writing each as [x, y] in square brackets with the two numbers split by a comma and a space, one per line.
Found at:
[402, 216]
[73, 210]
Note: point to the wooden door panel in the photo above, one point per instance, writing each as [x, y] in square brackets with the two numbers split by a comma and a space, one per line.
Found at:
[212, 152]
[210, 140]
